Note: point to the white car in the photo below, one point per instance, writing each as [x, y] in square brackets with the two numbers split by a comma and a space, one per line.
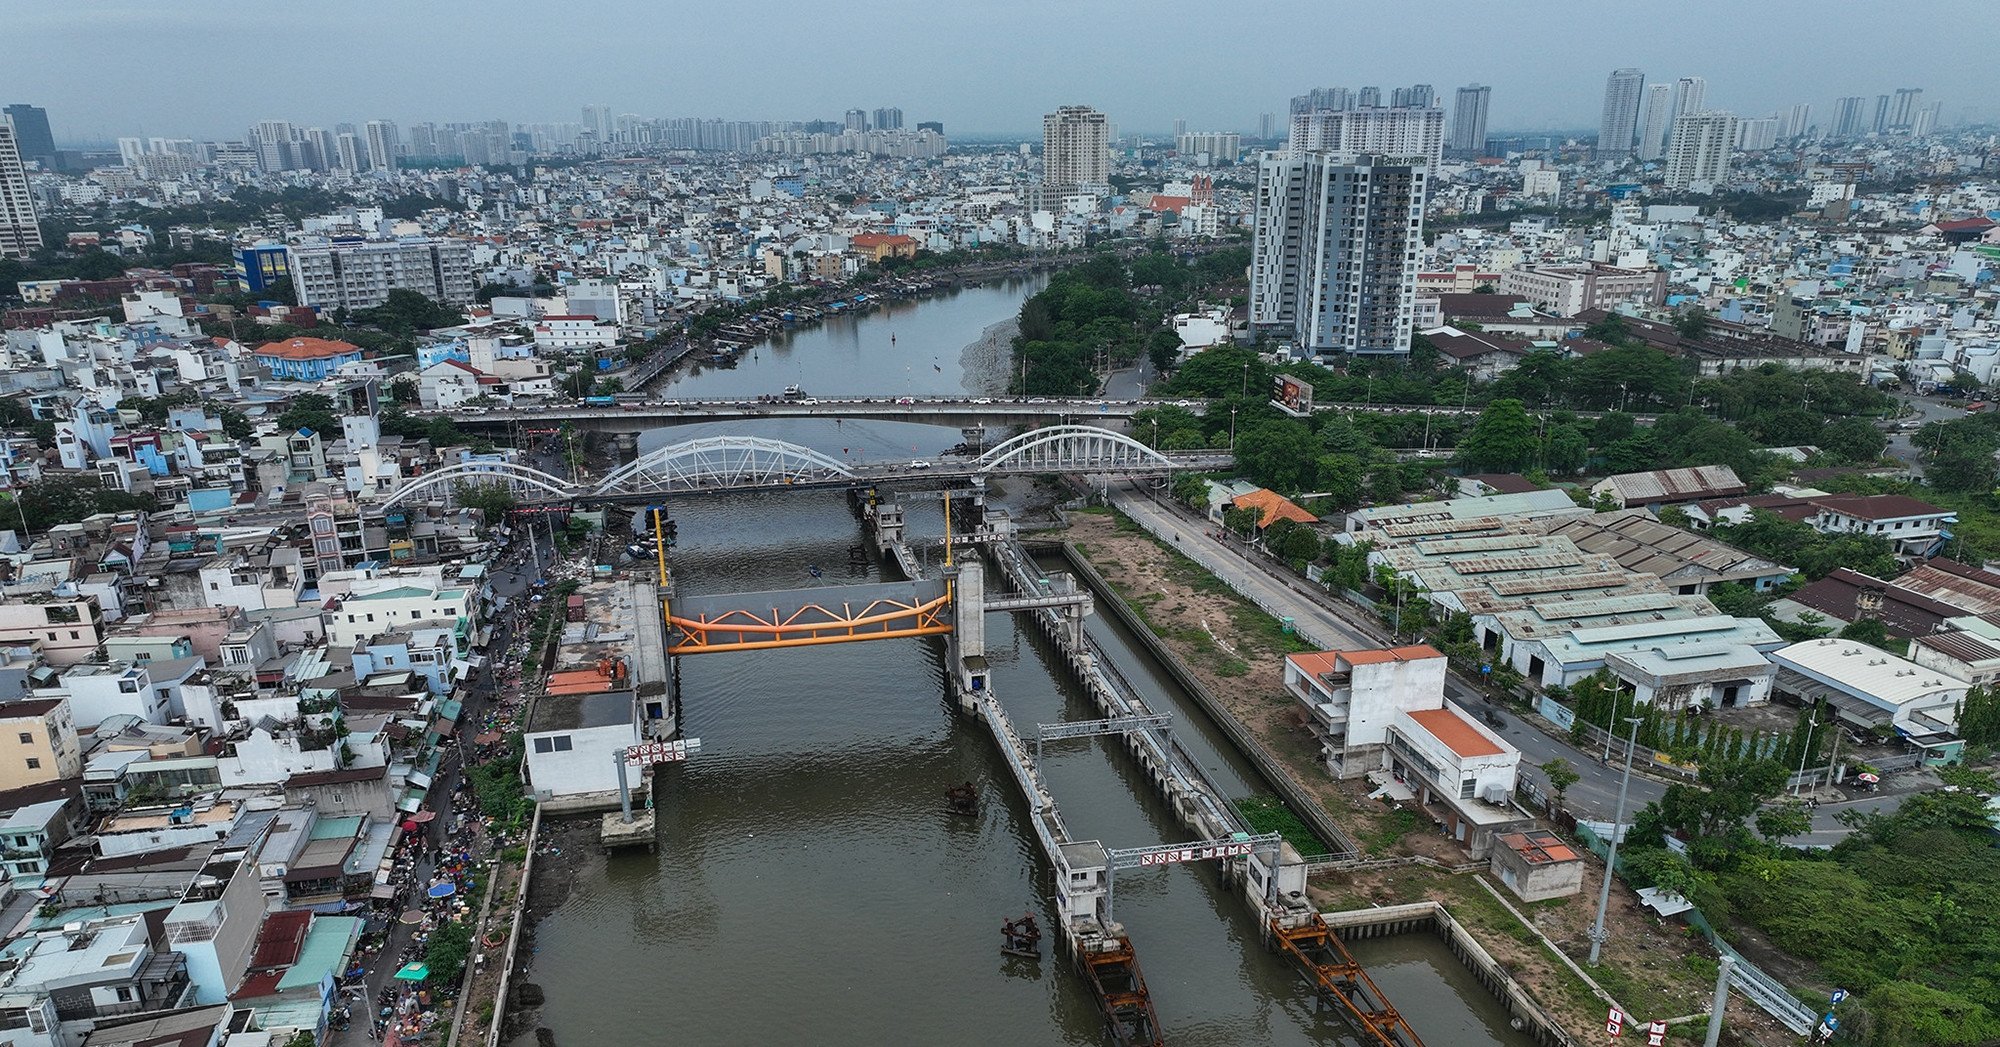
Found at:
[919, 464]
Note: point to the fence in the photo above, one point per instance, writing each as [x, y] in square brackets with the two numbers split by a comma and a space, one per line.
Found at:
[1759, 988]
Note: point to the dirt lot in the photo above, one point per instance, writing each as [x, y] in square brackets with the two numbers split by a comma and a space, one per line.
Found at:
[1658, 968]
[1237, 652]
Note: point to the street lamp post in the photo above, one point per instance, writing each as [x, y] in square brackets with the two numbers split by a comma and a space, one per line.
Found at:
[1232, 430]
[1597, 933]
[1811, 725]
[1246, 378]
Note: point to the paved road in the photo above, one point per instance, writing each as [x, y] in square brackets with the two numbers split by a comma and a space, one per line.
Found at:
[1323, 620]
[1922, 409]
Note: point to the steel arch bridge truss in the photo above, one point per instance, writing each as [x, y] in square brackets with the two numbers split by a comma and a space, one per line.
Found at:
[438, 485]
[808, 617]
[722, 461]
[1073, 449]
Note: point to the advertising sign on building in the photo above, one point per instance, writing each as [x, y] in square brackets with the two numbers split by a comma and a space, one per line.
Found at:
[1294, 396]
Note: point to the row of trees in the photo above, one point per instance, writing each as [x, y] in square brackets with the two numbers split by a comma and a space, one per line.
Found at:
[1680, 733]
[1106, 313]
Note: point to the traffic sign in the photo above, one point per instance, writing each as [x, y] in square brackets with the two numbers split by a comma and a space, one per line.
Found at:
[1839, 995]
[660, 752]
[1196, 854]
[1656, 1034]
[1830, 1022]
[1614, 1021]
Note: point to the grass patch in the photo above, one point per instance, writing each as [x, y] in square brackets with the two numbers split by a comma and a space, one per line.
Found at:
[1266, 814]
[1396, 825]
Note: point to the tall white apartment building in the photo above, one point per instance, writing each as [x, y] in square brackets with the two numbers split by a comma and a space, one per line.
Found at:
[1656, 117]
[1076, 147]
[384, 144]
[1334, 260]
[1219, 145]
[20, 233]
[349, 155]
[1690, 96]
[359, 274]
[1700, 148]
[1618, 127]
[1347, 134]
[1468, 119]
[1756, 134]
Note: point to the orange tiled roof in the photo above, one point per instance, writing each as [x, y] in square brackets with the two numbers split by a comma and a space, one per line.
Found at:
[1457, 733]
[307, 348]
[1272, 507]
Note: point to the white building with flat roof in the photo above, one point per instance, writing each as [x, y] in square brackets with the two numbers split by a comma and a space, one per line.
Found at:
[1350, 698]
[1868, 686]
[1449, 759]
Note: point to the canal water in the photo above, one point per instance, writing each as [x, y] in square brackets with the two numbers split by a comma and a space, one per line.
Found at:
[811, 888]
[954, 341]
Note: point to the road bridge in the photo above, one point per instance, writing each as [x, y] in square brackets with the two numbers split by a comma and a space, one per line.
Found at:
[722, 464]
[642, 415]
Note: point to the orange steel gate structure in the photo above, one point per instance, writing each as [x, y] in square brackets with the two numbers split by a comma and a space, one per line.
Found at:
[1324, 958]
[808, 617]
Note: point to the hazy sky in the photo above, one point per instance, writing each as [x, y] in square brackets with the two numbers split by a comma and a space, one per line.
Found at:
[208, 69]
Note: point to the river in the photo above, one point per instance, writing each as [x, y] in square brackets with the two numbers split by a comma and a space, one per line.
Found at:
[953, 341]
[809, 887]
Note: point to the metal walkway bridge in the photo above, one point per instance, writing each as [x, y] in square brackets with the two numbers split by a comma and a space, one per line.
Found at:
[720, 464]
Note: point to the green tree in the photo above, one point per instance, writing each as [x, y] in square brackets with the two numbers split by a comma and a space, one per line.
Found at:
[493, 500]
[309, 411]
[1279, 454]
[1503, 440]
[67, 498]
[1692, 324]
[446, 952]
[1713, 813]
[1872, 632]
[1240, 521]
[1567, 450]
[1561, 776]
[1783, 820]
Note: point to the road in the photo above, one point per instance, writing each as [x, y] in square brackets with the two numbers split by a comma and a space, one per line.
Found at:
[1322, 619]
[1922, 409]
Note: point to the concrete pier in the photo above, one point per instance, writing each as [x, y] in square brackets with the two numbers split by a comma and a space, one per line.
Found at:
[617, 833]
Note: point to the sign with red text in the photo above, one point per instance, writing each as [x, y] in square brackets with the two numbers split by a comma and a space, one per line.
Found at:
[1195, 854]
[1614, 1021]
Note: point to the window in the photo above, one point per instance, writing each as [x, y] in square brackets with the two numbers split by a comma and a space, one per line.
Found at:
[543, 745]
[124, 994]
[27, 739]
[1465, 788]
[34, 764]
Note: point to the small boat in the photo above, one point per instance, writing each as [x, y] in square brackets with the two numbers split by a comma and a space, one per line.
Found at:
[962, 800]
[1022, 937]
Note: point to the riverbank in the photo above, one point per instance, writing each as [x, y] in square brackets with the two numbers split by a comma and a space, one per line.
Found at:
[1658, 967]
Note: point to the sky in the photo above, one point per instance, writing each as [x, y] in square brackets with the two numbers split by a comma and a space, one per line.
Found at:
[111, 68]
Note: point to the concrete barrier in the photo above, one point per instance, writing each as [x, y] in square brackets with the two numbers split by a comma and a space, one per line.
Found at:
[501, 1004]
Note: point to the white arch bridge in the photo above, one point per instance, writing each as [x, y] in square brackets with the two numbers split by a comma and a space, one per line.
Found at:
[734, 463]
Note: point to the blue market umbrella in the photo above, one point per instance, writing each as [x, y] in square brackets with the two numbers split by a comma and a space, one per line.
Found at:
[443, 890]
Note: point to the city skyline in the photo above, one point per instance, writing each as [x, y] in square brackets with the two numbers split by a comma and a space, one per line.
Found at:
[643, 61]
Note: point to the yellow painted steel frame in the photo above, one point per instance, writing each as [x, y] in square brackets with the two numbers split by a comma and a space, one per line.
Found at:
[1385, 1026]
[700, 635]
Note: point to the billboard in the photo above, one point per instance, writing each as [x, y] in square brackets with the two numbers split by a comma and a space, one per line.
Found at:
[1291, 395]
